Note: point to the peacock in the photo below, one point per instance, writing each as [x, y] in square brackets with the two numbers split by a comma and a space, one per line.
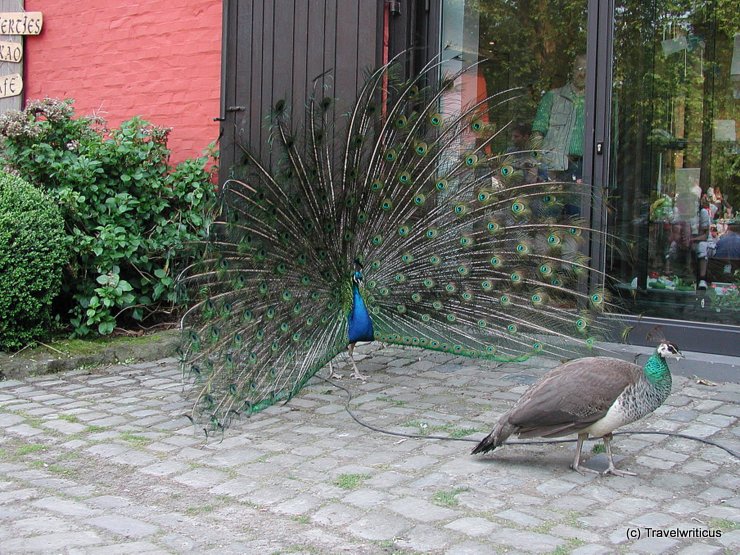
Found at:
[588, 396]
[394, 222]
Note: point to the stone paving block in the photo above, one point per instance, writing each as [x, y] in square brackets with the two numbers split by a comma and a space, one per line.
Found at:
[164, 468]
[716, 494]
[234, 488]
[190, 454]
[109, 502]
[202, 478]
[106, 421]
[654, 545]
[90, 415]
[718, 420]
[134, 458]
[179, 543]
[137, 548]
[530, 542]
[123, 525]
[299, 505]
[64, 427]
[472, 548]
[65, 507]
[420, 510]
[651, 462]
[699, 468]
[10, 419]
[52, 483]
[272, 495]
[519, 518]
[472, 526]
[161, 447]
[150, 421]
[366, 498]
[424, 538]
[107, 449]
[701, 549]
[555, 487]
[57, 542]
[13, 496]
[42, 524]
[378, 526]
[571, 532]
[420, 461]
[731, 540]
[435, 480]
[23, 430]
[591, 550]
[602, 518]
[336, 514]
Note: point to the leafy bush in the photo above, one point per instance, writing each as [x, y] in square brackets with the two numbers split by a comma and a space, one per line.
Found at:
[32, 254]
[128, 213]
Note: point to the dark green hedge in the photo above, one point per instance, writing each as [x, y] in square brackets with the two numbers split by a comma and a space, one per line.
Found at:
[32, 253]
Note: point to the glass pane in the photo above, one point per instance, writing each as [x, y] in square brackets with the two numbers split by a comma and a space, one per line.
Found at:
[675, 165]
[537, 47]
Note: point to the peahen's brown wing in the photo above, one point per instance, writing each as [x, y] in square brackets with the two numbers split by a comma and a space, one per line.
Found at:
[572, 396]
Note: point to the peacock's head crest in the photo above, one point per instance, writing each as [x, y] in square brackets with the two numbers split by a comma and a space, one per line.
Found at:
[666, 349]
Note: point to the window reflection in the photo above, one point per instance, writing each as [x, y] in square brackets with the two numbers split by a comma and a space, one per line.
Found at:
[539, 49]
[674, 175]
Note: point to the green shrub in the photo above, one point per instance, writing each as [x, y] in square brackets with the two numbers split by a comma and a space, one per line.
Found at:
[32, 253]
[128, 213]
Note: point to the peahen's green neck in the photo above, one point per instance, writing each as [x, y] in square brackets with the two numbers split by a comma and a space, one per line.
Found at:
[656, 369]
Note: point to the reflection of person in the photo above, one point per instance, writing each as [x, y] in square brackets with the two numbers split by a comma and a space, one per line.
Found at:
[728, 246]
[726, 257]
[522, 157]
[704, 243]
[559, 121]
[681, 231]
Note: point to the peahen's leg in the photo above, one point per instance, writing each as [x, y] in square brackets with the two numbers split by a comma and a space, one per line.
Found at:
[611, 469]
[356, 374]
[577, 460]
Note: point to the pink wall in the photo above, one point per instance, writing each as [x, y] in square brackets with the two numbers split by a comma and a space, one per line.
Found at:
[159, 59]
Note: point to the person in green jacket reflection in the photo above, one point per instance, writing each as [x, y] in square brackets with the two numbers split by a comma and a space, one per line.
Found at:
[559, 123]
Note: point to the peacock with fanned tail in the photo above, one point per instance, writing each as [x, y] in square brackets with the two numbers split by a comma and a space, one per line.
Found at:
[397, 224]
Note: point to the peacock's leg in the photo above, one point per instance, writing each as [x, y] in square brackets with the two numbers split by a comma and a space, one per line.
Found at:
[612, 469]
[356, 374]
[333, 374]
[577, 459]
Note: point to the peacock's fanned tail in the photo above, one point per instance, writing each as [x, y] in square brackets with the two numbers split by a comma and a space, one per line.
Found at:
[457, 255]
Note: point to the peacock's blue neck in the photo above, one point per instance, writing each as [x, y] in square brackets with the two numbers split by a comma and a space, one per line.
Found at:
[360, 326]
[656, 370]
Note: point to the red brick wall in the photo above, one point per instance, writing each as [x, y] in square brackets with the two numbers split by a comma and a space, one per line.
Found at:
[159, 59]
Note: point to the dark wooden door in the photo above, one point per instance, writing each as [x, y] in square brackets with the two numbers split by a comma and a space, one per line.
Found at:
[282, 49]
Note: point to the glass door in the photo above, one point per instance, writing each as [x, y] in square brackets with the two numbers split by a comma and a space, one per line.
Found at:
[674, 171]
[538, 47]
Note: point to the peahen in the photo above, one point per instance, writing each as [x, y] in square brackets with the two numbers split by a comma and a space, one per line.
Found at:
[395, 222]
[587, 396]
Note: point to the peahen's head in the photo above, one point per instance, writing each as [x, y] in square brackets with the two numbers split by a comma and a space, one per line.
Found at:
[666, 349]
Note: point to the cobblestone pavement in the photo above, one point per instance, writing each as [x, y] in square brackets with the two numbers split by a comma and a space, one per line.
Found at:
[104, 462]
